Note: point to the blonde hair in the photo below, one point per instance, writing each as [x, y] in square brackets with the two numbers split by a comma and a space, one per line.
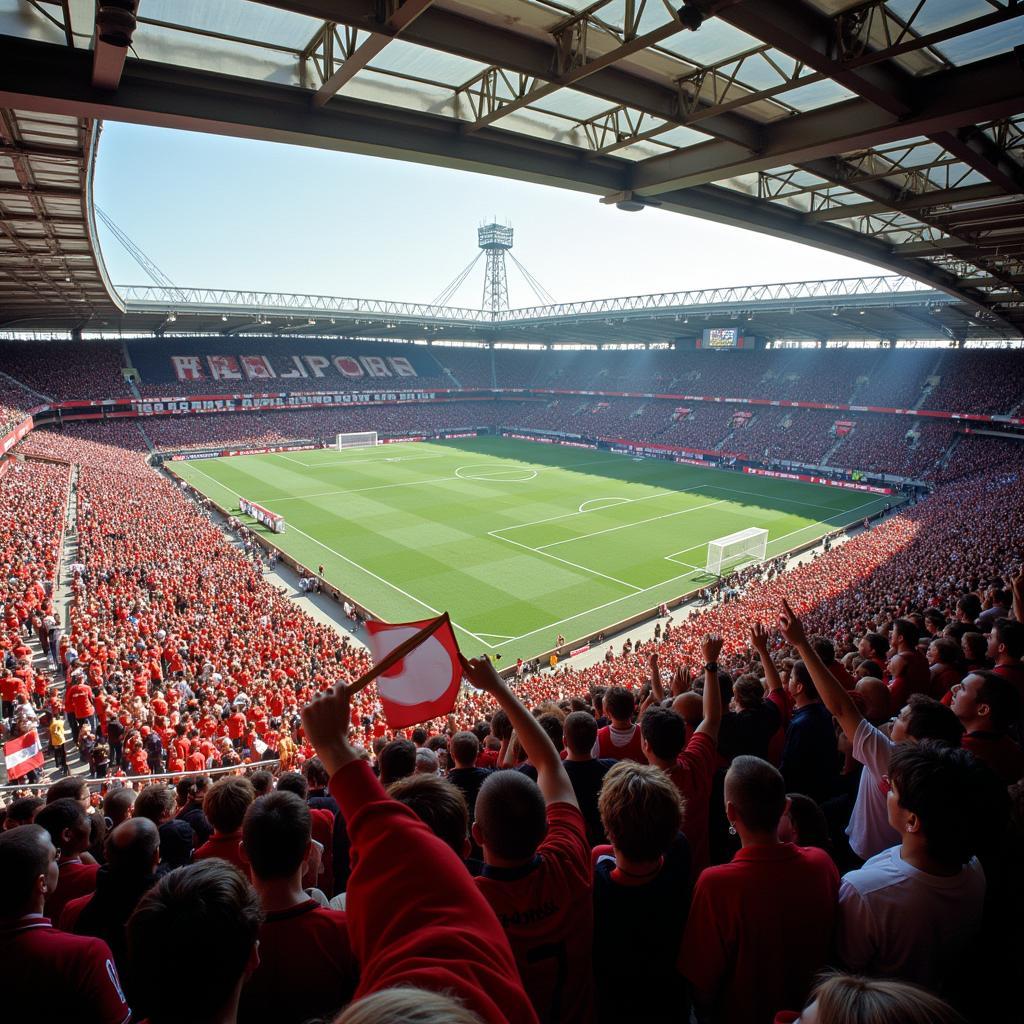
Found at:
[852, 999]
[641, 810]
[407, 1006]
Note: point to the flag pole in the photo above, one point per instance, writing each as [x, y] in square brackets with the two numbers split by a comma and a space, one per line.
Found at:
[401, 651]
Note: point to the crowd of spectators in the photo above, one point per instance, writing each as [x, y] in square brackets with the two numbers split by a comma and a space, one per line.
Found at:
[66, 370]
[820, 772]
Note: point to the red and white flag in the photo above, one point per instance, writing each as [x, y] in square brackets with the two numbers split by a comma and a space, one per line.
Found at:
[423, 684]
[23, 755]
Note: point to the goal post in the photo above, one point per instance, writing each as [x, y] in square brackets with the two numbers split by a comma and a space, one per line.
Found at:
[748, 545]
[365, 439]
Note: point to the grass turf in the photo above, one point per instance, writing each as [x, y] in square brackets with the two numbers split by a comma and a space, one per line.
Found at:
[518, 541]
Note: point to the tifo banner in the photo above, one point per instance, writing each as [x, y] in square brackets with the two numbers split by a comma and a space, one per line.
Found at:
[288, 367]
[23, 755]
[846, 485]
[262, 515]
[843, 427]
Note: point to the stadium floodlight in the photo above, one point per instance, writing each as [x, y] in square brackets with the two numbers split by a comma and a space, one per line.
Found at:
[748, 545]
[365, 439]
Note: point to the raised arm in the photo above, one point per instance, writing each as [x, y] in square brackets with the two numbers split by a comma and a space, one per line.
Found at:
[759, 641]
[712, 648]
[1017, 586]
[657, 690]
[831, 691]
[540, 751]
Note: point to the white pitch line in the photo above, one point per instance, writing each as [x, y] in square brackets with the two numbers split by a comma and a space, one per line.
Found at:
[565, 561]
[361, 568]
[627, 526]
[583, 512]
[281, 455]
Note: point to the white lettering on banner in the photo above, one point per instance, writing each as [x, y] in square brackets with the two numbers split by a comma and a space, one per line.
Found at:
[262, 515]
[298, 371]
[402, 366]
[317, 364]
[348, 367]
[847, 485]
[375, 366]
[224, 368]
[188, 368]
[257, 368]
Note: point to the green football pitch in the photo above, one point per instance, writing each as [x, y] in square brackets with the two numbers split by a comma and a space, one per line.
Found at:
[517, 541]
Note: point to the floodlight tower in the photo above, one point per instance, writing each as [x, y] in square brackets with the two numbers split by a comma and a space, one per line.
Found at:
[495, 240]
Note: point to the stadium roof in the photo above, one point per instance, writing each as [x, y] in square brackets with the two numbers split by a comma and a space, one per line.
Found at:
[886, 131]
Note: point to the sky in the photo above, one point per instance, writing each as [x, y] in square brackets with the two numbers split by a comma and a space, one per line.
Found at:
[218, 212]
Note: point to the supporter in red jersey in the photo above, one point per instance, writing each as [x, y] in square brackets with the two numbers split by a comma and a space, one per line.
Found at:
[298, 937]
[760, 927]
[642, 886]
[620, 739]
[689, 764]
[436, 945]
[76, 975]
[944, 665]
[908, 667]
[225, 806]
[68, 825]
[826, 650]
[536, 873]
[210, 913]
[986, 705]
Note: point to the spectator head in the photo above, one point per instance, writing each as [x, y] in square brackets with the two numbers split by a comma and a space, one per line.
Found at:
[747, 693]
[464, 748]
[662, 733]
[554, 726]
[850, 999]
[210, 910]
[942, 798]
[316, 774]
[690, 706]
[157, 803]
[905, 634]
[876, 699]
[226, 803]
[975, 647]
[262, 782]
[397, 760]
[924, 718]
[968, 607]
[824, 648]
[619, 704]
[133, 848]
[1006, 641]
[419, 736]
[873, 647]
[868, 669]
[426, 761]
[755, 797]
[67, 824]
[501, 726]
[29, 868]
[934, 621]
[276, 832]
[293, 782]
[803, 823]
[193, 789]
[579, 732]
[440, 805]
[70, 788]
[511, 819]
[405, 1006]
[118, 804]
[801, 686]
[944, 650]
[22, 811]
[985, 701]
[641, 811]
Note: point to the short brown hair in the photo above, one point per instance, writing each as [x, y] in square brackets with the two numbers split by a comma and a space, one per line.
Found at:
[619, 703]
[226, 803]
[464, 747]
[580, 733]
[156, 802]
[641, 810]
[439, 804]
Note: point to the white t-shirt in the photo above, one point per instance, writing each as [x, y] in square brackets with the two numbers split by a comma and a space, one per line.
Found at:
[869, 829]
[898, 922]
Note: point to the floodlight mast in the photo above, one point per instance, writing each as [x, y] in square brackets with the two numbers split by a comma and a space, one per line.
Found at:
[495, 240]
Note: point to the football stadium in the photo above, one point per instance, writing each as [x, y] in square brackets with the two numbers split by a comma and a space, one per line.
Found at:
[387, 638]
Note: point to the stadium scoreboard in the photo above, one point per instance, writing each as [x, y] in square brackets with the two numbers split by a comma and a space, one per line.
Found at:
[721, 337]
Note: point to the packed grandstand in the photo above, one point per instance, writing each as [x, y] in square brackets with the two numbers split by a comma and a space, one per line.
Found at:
[721, 777]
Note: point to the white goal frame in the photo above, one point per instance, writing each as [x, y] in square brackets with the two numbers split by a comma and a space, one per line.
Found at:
[750, 545]
[363, 439]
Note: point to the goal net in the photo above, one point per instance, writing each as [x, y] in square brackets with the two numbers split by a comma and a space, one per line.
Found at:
[364, 440]
[748, 545]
